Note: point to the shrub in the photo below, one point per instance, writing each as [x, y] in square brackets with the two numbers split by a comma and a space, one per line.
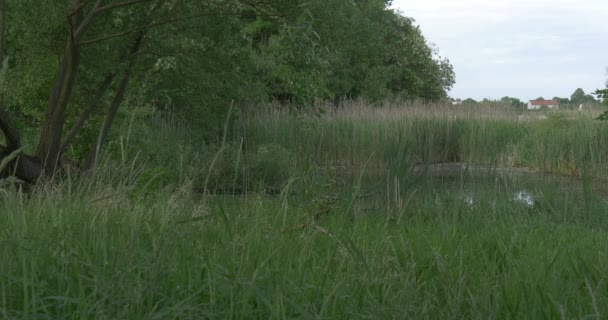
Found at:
[271, 166]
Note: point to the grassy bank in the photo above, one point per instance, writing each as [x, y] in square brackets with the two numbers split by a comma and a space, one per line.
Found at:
[335, 223]
[116, 254]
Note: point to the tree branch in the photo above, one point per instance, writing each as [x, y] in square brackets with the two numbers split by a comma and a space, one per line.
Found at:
[155, 54]
[86, 114]
[77, 9]
[98, 10]
[11, 134]
[79, 5]
[118, 5]
[116, 102]
[87, 20]
[160, 23]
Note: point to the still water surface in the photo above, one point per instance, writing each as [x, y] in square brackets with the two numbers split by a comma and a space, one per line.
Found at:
[475, 184]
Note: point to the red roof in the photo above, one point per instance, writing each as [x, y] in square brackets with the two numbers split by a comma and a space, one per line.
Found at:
[544, 102]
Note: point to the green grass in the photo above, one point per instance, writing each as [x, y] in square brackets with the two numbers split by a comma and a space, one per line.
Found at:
[120, 255]
[353, 234]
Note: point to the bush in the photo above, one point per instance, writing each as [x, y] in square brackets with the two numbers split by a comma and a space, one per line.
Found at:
[224, 171]
[271, 166]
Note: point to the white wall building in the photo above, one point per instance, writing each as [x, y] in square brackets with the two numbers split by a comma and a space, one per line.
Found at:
[537, 104]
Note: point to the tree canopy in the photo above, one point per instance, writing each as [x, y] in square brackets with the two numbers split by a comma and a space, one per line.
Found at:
[514, 102]
[73, 63]
[579, 97]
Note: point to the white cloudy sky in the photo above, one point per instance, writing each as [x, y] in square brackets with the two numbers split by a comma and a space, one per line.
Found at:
[518, 48]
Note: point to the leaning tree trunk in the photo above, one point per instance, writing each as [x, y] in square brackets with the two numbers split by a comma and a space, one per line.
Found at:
[116, 102]
[86, 114]
[2, 33]
[49, 145]
[26, 168]
[46, 158]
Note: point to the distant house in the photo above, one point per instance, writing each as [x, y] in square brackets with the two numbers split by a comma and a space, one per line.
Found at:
[537, 104]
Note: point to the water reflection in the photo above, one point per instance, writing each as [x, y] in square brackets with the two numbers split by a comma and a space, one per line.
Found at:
[469, 199]
[474, 186]
[524, 197]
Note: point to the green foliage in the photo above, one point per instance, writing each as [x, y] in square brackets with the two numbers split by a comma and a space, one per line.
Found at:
[514, 102]
[603, 95]
[233, 170]
[82, 250]
[134, 242]
[469, 102]
[224, 170]
[153, 179]
[249, 53]
[578, 96]
[563, 102]
[272, 166]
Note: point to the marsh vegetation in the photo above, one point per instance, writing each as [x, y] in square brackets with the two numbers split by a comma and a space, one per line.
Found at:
[422, 211]
[254, 159]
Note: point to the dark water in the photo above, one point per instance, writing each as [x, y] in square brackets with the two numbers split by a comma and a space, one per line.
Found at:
[473, 184]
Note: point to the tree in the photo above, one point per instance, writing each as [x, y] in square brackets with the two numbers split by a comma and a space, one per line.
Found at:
[352, 49]
[469, 102]
[80, 19]
[562, 101]
[2, 31]
[602, 94]
[198, 56]
[514, 102]
[579, 97]
[589, 99]
[89, 24]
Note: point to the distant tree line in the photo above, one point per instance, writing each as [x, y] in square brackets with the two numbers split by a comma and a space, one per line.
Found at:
[579, 97]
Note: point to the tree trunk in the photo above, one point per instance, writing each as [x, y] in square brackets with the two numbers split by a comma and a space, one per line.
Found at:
[86, 114]
[116, 102]
[49, 145]
[2, 33]
[26, 168]
[45, 161]
[109, 120]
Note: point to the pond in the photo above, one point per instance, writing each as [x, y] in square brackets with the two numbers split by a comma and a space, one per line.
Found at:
[473, 184]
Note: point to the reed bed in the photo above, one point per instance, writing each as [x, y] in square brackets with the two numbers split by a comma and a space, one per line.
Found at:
[401, 136]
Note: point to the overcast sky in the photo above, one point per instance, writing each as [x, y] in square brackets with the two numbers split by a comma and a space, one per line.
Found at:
[518, 48]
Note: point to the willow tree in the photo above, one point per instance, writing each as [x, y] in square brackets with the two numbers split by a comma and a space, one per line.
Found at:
[101, 42]
[80, 17]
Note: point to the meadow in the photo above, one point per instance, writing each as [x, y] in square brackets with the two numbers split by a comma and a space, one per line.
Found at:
[358, 212]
